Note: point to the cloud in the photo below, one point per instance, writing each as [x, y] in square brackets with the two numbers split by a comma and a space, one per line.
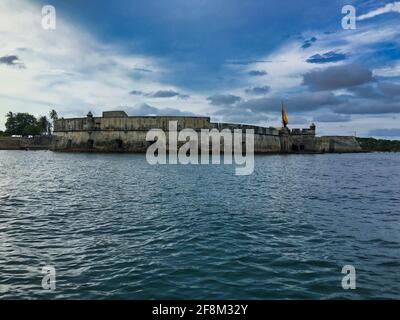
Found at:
[163, 94]
[258, 90]
[257, 73]
[368, 91]
[73, 70]
[70, 69]
[367, 106]
[160, 94]
[390, 71]
[394, 132]
[380, 91]
[299, 102]
[223, 99]
[287, 64]
[236, 115]
[142, 70]
[184, 96]
[337, 77]
[389, 89]
[244, 62]
[298, 120]
[11, 60]
[390, 7]
[332, 117]
[330, 56]
[136, 92]
[308, 43]
[147, 110]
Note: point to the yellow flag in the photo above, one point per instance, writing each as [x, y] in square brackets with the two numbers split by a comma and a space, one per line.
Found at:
[284, 117]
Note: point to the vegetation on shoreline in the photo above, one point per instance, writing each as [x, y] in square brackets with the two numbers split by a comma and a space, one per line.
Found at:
[371, 144]
[25, 124]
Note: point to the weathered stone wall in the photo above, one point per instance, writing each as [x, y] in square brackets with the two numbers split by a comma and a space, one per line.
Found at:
[135, 141]
[128, 134]
[337, 144]
[16, 143]
[302, 143]
[131, 123]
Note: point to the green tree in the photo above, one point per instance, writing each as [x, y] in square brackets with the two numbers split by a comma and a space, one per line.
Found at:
[44, 125]
[23, 124]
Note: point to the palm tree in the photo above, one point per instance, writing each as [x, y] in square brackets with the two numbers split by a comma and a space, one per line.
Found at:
[53, 115]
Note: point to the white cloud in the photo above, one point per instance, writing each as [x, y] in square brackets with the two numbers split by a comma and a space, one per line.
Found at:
[392, 71]
[69, 69]
[390, 7]
[287, 64]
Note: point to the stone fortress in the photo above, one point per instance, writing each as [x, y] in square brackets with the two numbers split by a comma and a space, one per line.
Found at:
[115, 131]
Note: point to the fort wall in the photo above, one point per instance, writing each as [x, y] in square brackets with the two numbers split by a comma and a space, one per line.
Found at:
[22, 143]
[116, 132]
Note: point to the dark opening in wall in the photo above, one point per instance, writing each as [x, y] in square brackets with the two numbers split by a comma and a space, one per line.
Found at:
[331, 146]
[295, 147]
[69, 144]
[119, 144]
[302, 147]
[90, 143]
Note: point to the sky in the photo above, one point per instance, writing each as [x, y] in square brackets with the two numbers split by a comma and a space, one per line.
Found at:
[231, 60]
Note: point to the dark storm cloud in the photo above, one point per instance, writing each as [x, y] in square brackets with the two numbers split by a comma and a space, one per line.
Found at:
[367, 106]
[389, 89]
[257, 73]
[337, 77]
[258, 90]
[308, 43]
[332, 117]
[368, 91]
[394, 132]
[11, 61]
[379, 90]
[223, 99]
[300, 102]
[147, 110]
[136, 92]
[330, 56]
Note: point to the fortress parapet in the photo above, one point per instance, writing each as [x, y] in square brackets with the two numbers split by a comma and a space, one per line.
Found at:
[306, 131]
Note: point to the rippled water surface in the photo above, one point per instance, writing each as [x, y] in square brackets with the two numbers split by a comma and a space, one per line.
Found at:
[115, 227]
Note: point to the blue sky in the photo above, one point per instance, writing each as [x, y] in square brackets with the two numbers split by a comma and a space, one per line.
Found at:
[231, 60]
